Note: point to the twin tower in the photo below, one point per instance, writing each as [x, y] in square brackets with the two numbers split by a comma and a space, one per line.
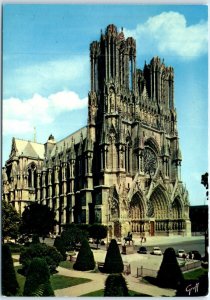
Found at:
[124, 168]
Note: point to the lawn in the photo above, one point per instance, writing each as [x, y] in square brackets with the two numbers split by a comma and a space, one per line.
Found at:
[60, 282]
[195, 274]
[57, 281]
[100, 293]
[67, 264]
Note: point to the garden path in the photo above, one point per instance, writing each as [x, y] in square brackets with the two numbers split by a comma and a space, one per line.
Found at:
[98, 282]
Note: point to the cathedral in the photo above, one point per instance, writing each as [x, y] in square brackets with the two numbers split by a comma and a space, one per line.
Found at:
[123, 169]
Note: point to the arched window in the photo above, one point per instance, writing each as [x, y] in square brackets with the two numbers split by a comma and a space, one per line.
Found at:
[32, 176]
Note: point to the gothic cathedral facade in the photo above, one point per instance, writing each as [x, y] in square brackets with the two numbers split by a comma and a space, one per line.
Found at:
[123, 169]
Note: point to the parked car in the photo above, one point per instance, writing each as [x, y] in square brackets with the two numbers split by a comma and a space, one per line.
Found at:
[156, 251]
[181, 253]
[194, 254]
[142, 250]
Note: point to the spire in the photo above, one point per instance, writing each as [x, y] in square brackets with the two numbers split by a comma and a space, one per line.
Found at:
[72, 150]
[64, 156]
[38, 166]
[44, 168]
[50, 164]
[164, 150]
[57, 160]
[80, 144]
[14, 150]
[104, 138]
[179, 154]
[88, 141]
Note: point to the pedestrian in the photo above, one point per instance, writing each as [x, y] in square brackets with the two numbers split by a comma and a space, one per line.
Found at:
[141, 239]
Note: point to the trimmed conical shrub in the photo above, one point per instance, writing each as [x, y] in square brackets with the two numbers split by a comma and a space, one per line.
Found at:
[85, 259]
[38, 279]
[170, 274]
[115, 285]
[59, 245]
[113, 261]
[9, 281]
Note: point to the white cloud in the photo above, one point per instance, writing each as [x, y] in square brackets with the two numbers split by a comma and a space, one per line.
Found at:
[169, 34]
[60, 101]
[20, 116]
[46, 77]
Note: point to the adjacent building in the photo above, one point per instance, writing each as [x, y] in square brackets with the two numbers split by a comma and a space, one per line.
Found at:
[124, 168]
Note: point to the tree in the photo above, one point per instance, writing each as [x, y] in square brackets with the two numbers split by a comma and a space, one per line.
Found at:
[113, 261]
[170, 274]
[9, 281]
[205, 182]
[59, 245]
[10, 221]
[115, 285]
[50, 254]
[98, 232]
[85, 259]
[35, 239]
[72, 235]
[38, 279]
[38, 219]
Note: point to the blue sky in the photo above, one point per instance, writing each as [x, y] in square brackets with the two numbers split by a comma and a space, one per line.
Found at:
[46, 70]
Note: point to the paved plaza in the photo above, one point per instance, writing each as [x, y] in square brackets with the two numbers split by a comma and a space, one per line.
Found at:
[135, 260]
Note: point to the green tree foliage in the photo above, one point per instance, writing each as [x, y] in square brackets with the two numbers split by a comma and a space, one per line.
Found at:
[10, 221]
[72, 235]
[9, 282]
[170, 274]
[85, 259]
[59, 245]
[50, 254]
[205, 182]
[38, 279]
[38, 219]
[113, 261]
[115, 285]
[98, 232]
[35, 239]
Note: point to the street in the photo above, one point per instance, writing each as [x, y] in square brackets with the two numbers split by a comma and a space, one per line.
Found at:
[188, 246]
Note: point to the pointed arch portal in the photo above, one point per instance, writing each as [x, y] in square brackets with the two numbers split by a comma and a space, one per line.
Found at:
[164, 218]
[137, 213]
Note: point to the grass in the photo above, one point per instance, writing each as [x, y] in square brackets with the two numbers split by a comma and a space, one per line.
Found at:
[57, 281]
[191, 275]
[67, 264]
[195, 274]
[100, 293]
[61, 282]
